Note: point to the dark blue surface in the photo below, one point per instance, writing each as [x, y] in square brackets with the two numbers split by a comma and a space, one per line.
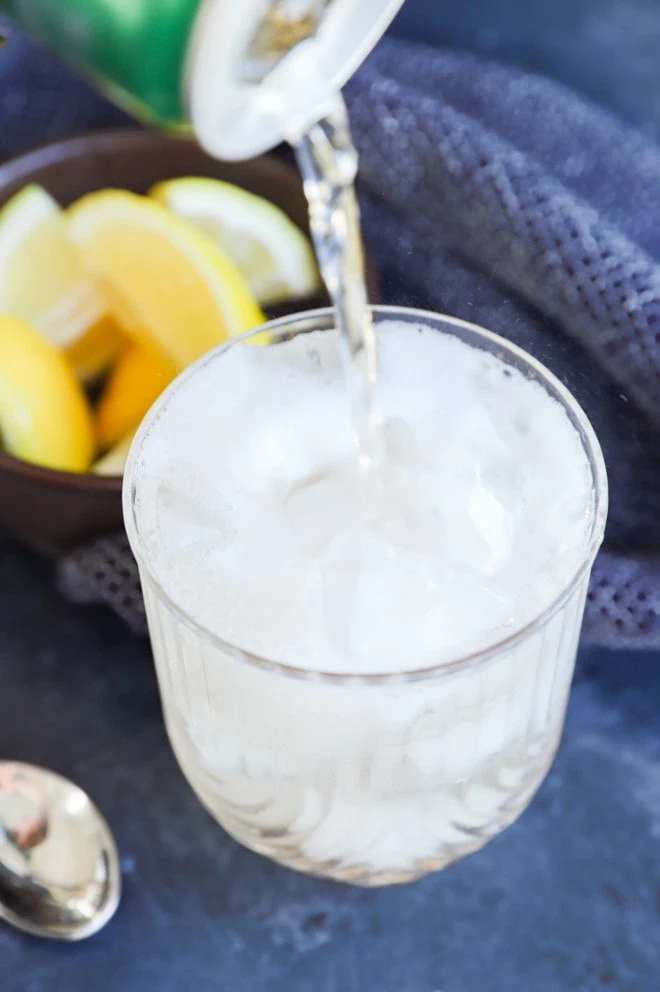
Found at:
[567, 899]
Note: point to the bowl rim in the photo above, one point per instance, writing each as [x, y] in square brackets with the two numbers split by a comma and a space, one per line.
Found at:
[53, 476]
[78, 145]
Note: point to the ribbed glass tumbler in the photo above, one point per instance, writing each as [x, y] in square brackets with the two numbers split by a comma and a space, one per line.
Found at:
[380, 778]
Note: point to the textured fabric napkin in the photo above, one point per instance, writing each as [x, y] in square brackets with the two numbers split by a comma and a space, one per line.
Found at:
[502, 198]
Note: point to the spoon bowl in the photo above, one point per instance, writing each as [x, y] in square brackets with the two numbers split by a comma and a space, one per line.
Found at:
[59, 868]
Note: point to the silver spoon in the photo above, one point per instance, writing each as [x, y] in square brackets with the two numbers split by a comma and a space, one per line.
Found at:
[59, 869]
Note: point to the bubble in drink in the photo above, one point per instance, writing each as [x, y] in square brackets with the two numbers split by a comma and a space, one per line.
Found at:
[257, 522]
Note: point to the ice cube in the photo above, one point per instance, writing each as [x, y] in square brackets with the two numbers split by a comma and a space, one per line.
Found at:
[376, 597]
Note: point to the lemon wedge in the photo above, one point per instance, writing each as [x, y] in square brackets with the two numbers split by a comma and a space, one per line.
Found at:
[273, 254]
[114, 461]
[165, 282]
[41, 280]
[44, 414]
[94, 351]
[136, 381]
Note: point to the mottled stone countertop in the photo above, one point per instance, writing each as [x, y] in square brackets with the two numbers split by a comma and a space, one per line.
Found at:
[566, 900]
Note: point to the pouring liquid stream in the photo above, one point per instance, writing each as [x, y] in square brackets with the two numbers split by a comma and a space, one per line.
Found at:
[328, 162]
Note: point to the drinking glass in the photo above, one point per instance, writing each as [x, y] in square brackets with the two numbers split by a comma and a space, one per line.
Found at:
[380, 778]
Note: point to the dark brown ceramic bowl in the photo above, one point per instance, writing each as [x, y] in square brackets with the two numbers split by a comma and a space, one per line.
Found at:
[53, 511]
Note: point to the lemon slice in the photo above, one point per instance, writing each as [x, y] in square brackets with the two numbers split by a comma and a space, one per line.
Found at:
[136, 381]
[41, 280]
[114, 461]
[273, 254]
[92, 352]
[165, 282]
[44, 414]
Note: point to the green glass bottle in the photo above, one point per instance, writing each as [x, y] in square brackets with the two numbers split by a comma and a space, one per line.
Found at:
[134, 50]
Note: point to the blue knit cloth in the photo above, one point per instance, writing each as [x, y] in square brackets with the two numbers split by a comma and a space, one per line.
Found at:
[504, 199]
[499, 197]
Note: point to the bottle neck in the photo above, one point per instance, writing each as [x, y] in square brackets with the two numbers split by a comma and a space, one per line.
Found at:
[260, 72]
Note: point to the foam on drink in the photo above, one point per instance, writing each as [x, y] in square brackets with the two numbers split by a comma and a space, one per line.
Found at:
[259, 523]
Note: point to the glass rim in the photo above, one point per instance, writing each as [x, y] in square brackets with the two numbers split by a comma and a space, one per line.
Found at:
[588, 439]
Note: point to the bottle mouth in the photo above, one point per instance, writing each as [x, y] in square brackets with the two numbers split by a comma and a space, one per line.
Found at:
[263, 71]
[284, 25]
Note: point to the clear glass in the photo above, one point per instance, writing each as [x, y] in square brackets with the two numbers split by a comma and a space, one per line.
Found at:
[369, 779]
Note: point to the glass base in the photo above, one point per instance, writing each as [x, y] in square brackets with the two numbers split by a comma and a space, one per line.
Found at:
[286, 846]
